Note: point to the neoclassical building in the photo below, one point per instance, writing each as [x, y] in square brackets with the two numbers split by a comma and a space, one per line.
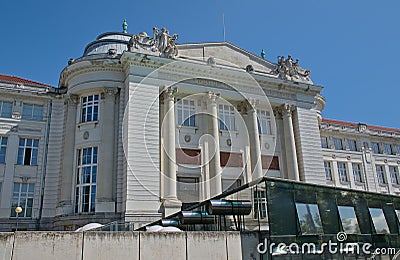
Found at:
[140, 127]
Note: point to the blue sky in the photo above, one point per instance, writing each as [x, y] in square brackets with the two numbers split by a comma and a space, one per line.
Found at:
[351, 47]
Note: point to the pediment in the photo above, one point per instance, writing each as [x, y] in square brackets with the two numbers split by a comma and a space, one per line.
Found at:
[227, 54]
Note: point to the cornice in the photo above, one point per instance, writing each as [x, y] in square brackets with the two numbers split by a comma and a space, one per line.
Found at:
[358, 131]
[83, 67]
[271, 86]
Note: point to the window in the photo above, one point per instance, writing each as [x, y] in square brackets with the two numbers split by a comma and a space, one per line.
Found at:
[226, 118]
[27, 151]
[186, 112]
[378, 218]
[85, 192]
[388, 149]
[3, 148]
[342, 171]
[380, 172]
[90, 108]
[264, 122]
[337, 142]
[352, 144]
[357, 172]
[6, 109]
[375, 148]
[260, 204]
[398, 215]
[398, 149]
[394, 175]
[349, 219]
[23, 197]
[324, 142]
[230, 184]
[32, 112]
[328, 170]
[188, 189]
[309, 218]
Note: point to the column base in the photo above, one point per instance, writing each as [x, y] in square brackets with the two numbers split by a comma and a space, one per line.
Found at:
[170, 206]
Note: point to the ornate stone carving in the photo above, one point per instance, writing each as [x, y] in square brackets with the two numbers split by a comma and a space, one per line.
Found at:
[289, 69]
[110, 91]
[211, 61]
[169, 93]
[162, 42]
[212, 97]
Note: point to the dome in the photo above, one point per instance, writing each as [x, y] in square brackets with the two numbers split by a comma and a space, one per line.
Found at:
[106, 41]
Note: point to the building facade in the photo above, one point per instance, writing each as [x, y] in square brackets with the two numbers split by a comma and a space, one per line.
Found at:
[139, 127]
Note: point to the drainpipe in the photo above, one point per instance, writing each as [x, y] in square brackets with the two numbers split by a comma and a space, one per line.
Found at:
[44, 167]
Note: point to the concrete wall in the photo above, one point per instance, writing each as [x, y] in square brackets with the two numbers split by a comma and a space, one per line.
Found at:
[127, 245]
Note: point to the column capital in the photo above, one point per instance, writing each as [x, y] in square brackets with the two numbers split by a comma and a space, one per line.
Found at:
[169, 93]
[71, 99]
[109, 92]
[287, 109]
[212, 97]
[249, 104]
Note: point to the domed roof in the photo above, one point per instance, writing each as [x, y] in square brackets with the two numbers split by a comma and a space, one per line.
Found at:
[106, 41]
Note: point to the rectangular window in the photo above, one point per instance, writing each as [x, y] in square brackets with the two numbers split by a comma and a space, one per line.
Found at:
[32, 112]
[357, 172]
[3, 148]
[375, 148]
[388, 149]
[188, 189]
[394, 175]
[380, 172]
[328, 170]
[352, 144]
[260, 204]
[85, 191]
[342, 171]
[226, 118]
[264, 122]
[337, 142]
[28, 151]
[309, 218]
[90, 108]
[23, 195]
[186, 112]
[324, 142]
[379, 220]
[6, 109]
[349, 219]
[398, 149]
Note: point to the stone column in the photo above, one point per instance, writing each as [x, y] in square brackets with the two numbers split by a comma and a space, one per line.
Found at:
[254, 138]
[67, 182]
[213, 130]
[104, 197]
[171, 203]
[291, 156]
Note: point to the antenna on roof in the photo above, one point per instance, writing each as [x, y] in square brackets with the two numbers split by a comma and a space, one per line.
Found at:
[223, 26]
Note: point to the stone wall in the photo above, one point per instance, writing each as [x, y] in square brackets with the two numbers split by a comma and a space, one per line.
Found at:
[128, 245]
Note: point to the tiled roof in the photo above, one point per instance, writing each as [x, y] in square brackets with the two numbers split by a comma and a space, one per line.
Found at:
[371, 127]
[18, 80]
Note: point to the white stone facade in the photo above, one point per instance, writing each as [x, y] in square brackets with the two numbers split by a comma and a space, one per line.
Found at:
[132, 135]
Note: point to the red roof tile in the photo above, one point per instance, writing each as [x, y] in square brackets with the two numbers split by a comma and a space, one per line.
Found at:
[18, 80]
[377, 128]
